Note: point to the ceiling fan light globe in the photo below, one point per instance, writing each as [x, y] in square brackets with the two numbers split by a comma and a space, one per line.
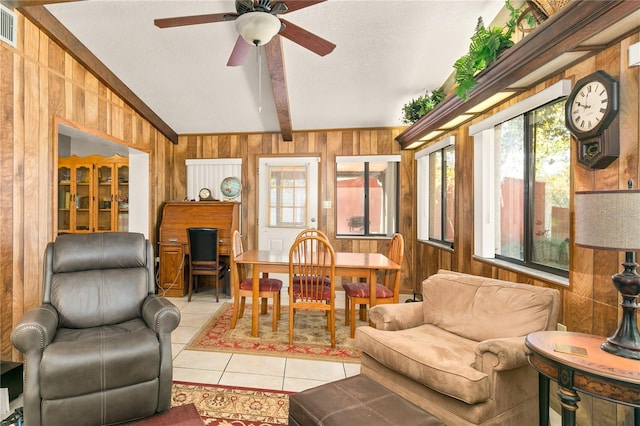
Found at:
[257, 28]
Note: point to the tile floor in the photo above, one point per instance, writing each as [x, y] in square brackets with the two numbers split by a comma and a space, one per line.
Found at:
[265, 372]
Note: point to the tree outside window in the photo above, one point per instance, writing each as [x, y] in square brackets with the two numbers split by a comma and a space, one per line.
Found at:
[532, 157]
[442, 193]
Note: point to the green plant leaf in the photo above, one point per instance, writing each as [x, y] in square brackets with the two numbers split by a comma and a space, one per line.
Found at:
[417, 108]
[484, 48]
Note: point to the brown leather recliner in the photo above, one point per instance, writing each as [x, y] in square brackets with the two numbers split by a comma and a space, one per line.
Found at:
[98, 349]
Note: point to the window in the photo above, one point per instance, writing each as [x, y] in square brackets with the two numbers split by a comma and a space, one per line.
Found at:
[436, 192]
[532, 155]
[366, 195]
[287, 196]
[522, 164]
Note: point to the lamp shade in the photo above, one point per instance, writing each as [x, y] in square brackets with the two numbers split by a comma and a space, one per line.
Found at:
[608, 220]
[257, 28]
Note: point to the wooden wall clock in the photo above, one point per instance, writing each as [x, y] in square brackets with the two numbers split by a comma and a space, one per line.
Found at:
[591, 114]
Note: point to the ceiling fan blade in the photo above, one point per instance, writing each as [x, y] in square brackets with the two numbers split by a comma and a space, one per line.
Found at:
[293, 5]
[304, 38]
[180, 21]
[239, 53]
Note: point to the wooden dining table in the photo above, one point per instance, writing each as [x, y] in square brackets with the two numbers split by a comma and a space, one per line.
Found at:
[358, 265]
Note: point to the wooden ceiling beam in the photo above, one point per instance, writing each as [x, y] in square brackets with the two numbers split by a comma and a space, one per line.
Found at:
[275, 60]
[44, 20]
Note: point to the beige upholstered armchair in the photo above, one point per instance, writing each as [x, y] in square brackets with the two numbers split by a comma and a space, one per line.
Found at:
[98, 349]
[460, 354]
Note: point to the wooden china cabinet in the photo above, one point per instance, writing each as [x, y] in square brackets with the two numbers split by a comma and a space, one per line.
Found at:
[93, 194]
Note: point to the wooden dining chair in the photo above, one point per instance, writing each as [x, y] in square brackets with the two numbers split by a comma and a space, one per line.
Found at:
[305, 233]
[387, 292]
[204, 258]
[311, 232]
[243, 286]
[312, 258]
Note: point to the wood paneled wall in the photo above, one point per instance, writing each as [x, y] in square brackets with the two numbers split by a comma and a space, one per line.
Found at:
[590, 303]
[39, 82]
[327, 145]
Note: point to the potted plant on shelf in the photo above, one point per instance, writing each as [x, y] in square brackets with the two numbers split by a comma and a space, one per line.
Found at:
[417, 108]
[486, 45]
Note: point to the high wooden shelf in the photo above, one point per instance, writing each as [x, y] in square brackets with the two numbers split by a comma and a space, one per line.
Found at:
[578, 30]
[92, 194]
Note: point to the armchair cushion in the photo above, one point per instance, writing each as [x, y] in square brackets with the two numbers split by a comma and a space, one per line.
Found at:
[80, 297]
[462, 304]
[83, 361]
[447, 366]
[117, 250]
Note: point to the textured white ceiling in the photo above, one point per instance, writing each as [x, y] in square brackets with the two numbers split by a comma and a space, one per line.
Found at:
[388, 51]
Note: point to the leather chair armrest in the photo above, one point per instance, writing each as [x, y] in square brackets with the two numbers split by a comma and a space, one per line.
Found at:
[501, 354]
[397, 316]
[160, 315]
[36, 329]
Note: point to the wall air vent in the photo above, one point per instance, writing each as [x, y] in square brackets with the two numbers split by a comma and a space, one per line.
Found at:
[8, 26]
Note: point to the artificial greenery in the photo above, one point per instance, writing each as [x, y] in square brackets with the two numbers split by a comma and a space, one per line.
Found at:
[414, 110]
[486, 45]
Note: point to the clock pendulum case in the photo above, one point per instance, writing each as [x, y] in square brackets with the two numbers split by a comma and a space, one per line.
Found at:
[591, 115]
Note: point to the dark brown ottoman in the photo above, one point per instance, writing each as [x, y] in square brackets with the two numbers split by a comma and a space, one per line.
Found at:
[357, 400]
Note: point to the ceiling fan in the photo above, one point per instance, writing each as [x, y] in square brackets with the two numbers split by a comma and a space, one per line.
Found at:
[257, 23]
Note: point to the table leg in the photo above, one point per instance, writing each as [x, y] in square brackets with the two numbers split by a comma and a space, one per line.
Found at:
[263, 306]
[543, 399]
[372, 290]
[569, 401]
[255, 302]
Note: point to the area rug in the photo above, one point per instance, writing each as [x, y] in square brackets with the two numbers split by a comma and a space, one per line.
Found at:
[311, 340]
[232, 406]
[181, 415]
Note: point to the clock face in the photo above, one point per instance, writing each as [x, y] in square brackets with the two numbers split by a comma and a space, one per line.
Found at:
[204, 194]
[589, 106]
[592, 105]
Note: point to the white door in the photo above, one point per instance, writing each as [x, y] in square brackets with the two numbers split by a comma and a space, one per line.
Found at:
[287, 199]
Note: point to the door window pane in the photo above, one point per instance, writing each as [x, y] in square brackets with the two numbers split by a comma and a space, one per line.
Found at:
[287, 196]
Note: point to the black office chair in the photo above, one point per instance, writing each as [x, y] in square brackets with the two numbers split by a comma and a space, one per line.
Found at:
[204, 258]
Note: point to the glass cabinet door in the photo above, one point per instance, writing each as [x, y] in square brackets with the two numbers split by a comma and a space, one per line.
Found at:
[104, 198]
[123, 197]
[64, 199]
[82, 198]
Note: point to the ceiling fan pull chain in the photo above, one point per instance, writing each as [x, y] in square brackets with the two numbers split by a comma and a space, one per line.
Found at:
[259, 79]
